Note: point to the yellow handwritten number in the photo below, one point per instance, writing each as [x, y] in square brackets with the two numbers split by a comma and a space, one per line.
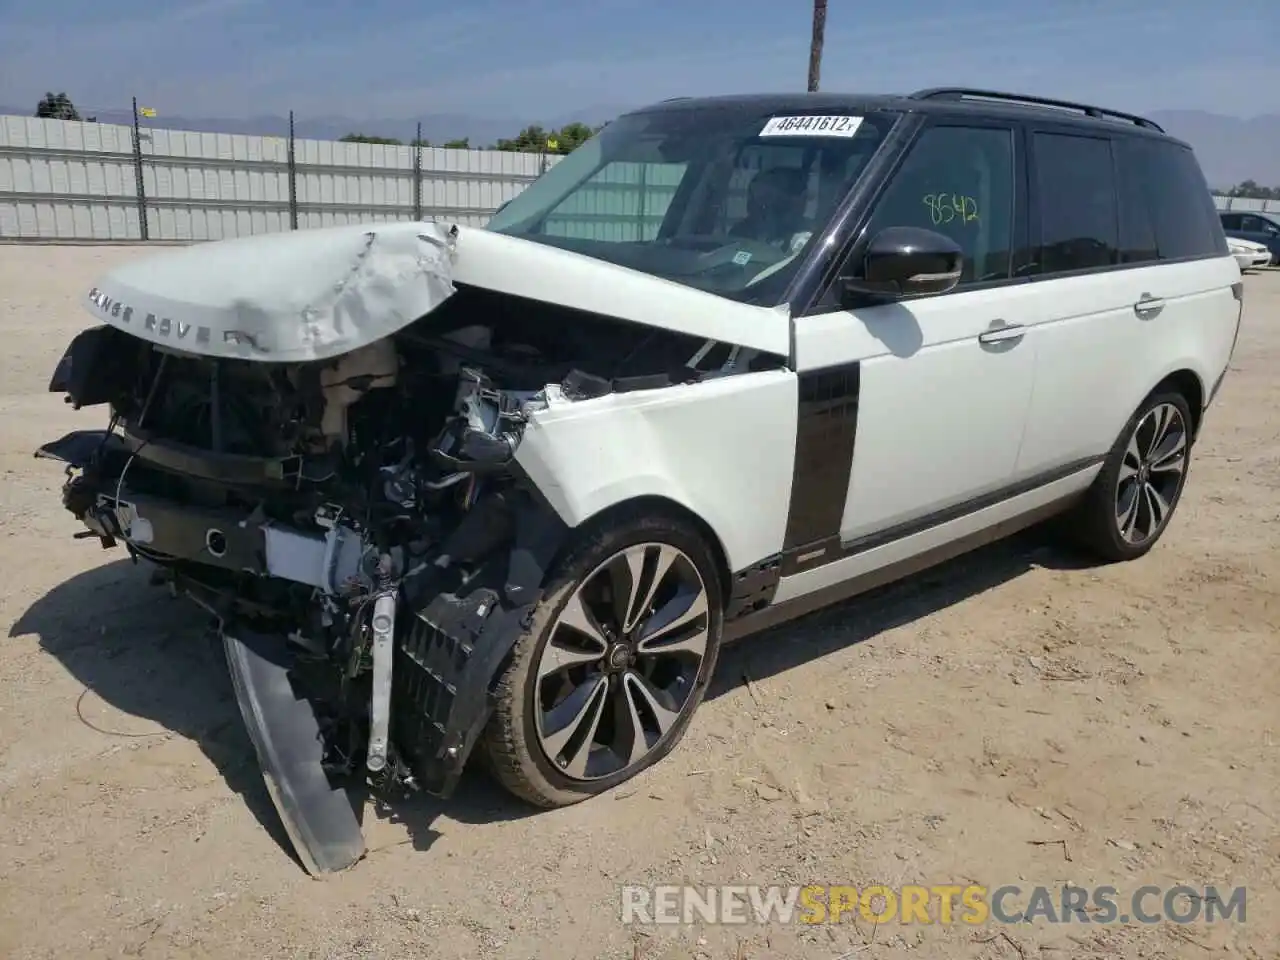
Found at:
[949, 207]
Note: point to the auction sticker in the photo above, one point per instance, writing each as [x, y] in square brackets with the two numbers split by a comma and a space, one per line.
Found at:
[811, 126]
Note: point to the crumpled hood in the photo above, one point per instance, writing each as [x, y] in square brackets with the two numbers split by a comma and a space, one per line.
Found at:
[317, 294]
[305, 295]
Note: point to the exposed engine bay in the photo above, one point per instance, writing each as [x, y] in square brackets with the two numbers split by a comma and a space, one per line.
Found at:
[366, 510]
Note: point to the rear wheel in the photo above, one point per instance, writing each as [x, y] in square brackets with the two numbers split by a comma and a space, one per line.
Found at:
[604, 682]
[1129, 506]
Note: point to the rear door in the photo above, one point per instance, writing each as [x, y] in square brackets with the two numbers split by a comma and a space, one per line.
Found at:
[1137, 282]
[1087, 330]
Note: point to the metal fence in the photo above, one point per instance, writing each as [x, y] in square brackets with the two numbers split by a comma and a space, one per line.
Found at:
[85, 181]
[1247, 204]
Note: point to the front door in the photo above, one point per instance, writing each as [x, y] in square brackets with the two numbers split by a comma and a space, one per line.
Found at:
[911, 411]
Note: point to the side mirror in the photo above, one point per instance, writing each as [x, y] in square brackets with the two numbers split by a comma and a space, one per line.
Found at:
[903, 262]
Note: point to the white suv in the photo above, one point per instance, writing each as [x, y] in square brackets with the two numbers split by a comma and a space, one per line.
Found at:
[730, 361]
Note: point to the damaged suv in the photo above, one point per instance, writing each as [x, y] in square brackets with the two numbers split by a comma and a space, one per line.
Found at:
[447, 488]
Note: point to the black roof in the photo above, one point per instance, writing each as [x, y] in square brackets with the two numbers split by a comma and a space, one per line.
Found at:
[943, 100]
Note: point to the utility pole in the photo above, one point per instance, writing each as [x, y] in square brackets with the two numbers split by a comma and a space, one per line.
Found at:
[144, 230]
[815, 46]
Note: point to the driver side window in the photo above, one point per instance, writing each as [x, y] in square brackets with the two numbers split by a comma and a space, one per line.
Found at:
[957, 181]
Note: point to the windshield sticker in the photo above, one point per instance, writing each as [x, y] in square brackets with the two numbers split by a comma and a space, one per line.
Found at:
[811, 126]
[742, 257]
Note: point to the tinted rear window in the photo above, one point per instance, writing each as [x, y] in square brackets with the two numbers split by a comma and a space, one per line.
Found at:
[1076, 193]
[1137, 221]
[1186, 222]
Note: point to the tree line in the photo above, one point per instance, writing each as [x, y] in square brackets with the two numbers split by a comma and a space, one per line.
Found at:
[532, 139]
[58, 106]
[1251, 190]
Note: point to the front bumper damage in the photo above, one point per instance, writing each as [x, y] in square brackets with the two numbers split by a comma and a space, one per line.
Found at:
[314, 436]
[436, 668]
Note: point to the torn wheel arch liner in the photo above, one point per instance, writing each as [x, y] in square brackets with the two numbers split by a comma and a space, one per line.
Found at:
[455, 646]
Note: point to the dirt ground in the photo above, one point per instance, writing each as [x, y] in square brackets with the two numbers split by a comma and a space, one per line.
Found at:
[952, 729]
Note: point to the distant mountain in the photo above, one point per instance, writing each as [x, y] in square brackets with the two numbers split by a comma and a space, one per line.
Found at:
[1231, 149]
[437, 128]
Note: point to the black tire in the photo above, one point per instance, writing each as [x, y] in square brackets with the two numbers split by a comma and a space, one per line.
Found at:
[515, 757]
[1096, 522]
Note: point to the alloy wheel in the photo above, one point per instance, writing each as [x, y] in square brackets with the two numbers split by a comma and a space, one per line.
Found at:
[621, 661]
[1151, 473]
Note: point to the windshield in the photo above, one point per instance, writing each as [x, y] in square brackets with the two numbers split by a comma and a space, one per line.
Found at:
[726, 199]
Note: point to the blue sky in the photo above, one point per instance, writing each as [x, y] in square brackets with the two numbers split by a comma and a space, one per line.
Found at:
[541, 59]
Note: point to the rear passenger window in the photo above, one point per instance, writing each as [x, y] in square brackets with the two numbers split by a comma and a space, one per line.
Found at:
[1076, 191]
[1182, 208]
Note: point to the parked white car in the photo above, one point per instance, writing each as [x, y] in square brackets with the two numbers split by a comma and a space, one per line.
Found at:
[1247, 253]
[730, 361]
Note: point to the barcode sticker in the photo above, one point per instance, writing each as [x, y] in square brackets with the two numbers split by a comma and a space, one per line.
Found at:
[811, 126]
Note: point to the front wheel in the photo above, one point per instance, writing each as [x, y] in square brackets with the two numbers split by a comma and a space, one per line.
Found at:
[1132, 499]
[617, 657]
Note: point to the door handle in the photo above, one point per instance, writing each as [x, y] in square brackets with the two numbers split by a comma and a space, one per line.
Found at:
[1148, 307]
[1001, 332]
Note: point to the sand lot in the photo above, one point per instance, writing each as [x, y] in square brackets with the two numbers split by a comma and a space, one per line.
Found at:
[1012, 718]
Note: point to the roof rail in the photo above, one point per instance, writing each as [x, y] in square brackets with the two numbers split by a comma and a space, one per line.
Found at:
[963, 93]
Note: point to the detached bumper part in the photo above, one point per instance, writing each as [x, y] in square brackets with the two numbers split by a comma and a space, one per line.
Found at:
[318, 817]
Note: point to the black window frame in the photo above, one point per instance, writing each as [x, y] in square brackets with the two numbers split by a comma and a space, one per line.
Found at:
[1223, 215]
[816, 291]
[829, 297]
